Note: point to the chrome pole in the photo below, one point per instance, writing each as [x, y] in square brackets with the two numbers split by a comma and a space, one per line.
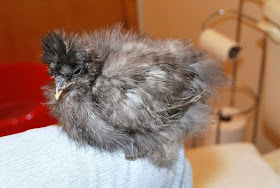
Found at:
[235, 62]
[260, 89]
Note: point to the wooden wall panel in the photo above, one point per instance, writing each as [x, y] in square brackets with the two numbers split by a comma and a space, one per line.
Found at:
[22, 23]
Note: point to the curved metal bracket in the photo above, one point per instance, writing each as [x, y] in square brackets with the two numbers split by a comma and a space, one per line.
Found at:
[264, 25]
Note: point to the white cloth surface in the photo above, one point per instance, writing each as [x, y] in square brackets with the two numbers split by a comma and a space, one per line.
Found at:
[273, 159]
[45, 157]
[235, 165]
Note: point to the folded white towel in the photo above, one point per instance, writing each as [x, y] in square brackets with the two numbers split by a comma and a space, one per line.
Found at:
[235, 165]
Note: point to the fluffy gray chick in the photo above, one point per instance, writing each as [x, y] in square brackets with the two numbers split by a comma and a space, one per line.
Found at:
[116, 90]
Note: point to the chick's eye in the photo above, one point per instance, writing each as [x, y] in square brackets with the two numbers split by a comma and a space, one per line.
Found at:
[77, 71]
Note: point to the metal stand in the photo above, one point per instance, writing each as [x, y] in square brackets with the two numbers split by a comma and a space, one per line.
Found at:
[242, 17]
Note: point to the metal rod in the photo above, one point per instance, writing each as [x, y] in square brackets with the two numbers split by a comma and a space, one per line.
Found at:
[218, 130]
[239, 20]
[260, 89]
[235, 62]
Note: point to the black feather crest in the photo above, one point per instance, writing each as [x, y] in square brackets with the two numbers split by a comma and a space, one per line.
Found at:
[60, 50]
[53, 47]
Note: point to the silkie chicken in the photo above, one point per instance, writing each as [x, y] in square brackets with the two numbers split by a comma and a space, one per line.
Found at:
[116, 90]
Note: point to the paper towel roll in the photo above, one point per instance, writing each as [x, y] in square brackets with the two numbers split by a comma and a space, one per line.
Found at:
[271, 10]
[271, 29]
[219, 45]
[231, 131]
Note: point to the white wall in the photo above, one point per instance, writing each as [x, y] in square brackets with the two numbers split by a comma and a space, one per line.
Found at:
[184, 18]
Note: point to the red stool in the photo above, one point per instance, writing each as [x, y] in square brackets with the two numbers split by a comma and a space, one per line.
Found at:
[21, 98]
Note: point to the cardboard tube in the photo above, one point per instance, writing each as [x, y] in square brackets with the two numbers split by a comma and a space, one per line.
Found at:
[218, 45]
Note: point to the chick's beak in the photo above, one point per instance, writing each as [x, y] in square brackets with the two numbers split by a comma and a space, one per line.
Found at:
[60, 84]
